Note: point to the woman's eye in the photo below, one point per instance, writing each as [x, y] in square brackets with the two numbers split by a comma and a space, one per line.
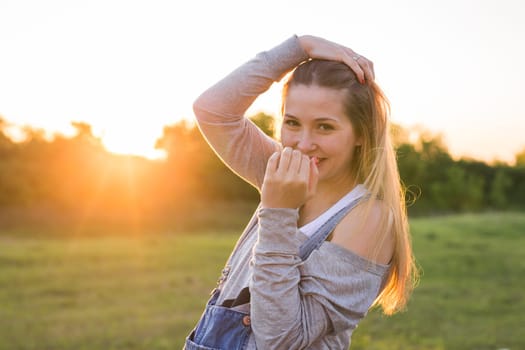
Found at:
[291, 122]
[325, 127]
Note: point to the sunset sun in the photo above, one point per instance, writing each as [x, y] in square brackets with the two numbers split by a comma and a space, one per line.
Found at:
[133, 141]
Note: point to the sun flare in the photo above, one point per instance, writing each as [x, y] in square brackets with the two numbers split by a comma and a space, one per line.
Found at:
[132, 142]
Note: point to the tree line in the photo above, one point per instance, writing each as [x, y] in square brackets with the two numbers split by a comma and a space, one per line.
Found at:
[76, 177]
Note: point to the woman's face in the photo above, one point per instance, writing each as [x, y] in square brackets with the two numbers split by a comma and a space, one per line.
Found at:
[314, 123]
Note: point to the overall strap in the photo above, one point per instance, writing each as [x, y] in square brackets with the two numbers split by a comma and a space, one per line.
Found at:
[315, 241]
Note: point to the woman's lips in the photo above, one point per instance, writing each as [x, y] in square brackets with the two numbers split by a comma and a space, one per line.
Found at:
[317, 160]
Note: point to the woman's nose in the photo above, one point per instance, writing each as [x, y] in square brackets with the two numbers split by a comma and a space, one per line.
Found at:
[305, 143]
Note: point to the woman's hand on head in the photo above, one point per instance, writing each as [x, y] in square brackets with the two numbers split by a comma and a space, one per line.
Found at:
[324, 49]
[290, 180]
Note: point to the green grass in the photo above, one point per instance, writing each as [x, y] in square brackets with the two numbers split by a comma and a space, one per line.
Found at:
[471, 291]
[146, 292]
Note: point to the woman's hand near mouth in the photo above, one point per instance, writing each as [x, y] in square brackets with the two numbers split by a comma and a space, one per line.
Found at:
[290, 179]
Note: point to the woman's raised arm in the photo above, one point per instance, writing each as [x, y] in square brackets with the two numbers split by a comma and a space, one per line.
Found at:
[220, 110]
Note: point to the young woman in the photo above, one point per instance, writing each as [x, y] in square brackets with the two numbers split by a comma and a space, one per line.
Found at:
[330, 237]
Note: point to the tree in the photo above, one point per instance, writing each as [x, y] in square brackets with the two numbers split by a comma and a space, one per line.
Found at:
[195, 170]
[459, 191]
[6, 145]
[498, 189]
[265, 122]
[520, 158]
[399, 135]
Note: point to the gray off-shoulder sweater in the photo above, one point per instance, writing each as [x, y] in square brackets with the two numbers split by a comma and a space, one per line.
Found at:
[294, 304]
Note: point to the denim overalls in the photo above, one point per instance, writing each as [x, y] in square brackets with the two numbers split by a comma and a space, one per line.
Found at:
[221, 328]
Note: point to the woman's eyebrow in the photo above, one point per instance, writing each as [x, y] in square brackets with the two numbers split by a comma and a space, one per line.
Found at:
[327, 119]
[320, 119]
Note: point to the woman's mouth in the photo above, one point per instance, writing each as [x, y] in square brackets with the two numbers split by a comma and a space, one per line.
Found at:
[317, 160]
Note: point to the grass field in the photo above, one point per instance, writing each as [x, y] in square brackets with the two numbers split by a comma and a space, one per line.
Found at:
[147, 291]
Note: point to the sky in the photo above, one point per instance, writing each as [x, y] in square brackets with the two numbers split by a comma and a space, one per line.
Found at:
[128, 68]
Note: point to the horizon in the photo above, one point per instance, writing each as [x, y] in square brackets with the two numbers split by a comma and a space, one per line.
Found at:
[20, 134]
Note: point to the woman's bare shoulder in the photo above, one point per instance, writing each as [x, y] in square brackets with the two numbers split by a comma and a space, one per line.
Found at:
[362, 233]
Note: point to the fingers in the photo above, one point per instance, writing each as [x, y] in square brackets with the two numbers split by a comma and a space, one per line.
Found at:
[313, 177]
[295, 162]
[290, 161]
[284, 163]
[362, 67]
[371, 65]
[368, 68]
[286, 180]
[305, 166]
[273, 163]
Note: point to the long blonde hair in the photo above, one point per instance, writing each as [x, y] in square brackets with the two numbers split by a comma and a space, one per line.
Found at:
[374, 164]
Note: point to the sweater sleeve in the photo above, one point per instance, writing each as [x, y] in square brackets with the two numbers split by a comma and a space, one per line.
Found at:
[220, 110]
[295, 304]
